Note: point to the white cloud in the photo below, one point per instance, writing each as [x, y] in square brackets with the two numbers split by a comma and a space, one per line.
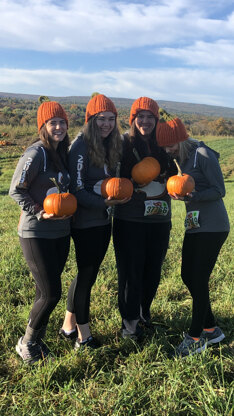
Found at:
[183, 85]
[216, 54]
[92, 26]
[199, 34]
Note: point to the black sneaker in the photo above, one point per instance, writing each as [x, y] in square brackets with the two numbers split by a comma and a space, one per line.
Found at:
[30, 352]
[90, 342]
[146, 323]
[66, 336]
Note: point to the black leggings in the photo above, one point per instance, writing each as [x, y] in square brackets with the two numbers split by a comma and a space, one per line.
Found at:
[199, 255]
[91, 245]
[46, 259]
[140, 249]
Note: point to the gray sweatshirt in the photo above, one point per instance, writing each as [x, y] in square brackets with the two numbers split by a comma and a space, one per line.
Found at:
[29, 187]
[86, 182]
[205, 211]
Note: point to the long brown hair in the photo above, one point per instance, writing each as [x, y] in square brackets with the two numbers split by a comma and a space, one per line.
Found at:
[136, 138]
[101, 150]
[59, 157]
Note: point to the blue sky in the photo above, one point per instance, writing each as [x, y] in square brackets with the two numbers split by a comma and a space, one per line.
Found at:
[176, 50]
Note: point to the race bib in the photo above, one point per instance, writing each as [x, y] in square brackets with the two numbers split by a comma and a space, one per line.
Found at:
[191, 220]
[154, 207]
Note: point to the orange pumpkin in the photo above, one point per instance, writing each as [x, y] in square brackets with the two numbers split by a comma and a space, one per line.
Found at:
[4, 143]
[146, 170]
[180, 184]
[117, 188]
[59, 203]
[103, 187]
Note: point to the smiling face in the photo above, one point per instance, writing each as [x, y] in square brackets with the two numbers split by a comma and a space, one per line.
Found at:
[106, 123]
[145, 122]
[57, 130]
[172, 150]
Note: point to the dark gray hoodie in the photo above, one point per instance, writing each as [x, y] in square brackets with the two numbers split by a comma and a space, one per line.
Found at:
[86, 182]
[205, 211]
[30, 185]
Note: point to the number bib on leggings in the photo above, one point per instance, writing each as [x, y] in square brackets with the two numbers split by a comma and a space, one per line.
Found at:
[154, 207]
[191, 220]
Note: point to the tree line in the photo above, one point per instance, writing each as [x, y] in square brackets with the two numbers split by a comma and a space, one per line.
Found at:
[21, 112]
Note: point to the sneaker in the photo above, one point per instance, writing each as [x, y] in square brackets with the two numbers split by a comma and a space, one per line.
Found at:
[213, 337]
[66, 336]
[189, 346]
[90, 342]
[146, 323]
[30, 352]
[137, 336]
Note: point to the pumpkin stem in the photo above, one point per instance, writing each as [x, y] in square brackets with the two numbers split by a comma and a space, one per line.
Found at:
[164, 116]
[56, 184]
[178, 167]
[118, 170]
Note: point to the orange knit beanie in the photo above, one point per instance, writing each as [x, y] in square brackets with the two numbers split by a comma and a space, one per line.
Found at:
[143, 103]
[170, 130]
[48, 110]
[97, 104]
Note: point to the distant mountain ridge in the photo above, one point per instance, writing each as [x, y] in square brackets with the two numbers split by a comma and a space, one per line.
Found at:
[170, 106]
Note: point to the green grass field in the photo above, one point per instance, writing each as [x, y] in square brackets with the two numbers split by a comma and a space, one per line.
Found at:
[121, 378]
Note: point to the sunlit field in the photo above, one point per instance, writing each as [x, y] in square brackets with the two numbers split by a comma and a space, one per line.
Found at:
[121, 378]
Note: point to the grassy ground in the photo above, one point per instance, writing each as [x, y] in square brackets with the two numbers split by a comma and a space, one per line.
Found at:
[121, 378]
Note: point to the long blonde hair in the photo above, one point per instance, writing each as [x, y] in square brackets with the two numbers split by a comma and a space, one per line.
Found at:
[101, 150]
[185, 148]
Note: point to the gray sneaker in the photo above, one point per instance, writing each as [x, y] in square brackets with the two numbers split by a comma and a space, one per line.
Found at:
[30, 352]
[189, 346]
[213, 337]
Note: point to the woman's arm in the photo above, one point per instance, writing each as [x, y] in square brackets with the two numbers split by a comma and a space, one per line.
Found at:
[78, 168]
[208, 163]
[28, 167]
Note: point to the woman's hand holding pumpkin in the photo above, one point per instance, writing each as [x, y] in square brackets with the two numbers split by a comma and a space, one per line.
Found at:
[45, 216]
[180, 198]
[110, 202]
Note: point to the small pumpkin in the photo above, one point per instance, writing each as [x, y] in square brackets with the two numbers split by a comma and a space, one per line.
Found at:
[146, 170]
[103, 187]
[4, 143]
[60, 204]
[117, 188]
[180, 184]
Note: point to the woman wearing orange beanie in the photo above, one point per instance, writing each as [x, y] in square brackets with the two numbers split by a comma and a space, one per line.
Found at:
[206, 228]
[44, 239]
[93, 156]
[142, 226]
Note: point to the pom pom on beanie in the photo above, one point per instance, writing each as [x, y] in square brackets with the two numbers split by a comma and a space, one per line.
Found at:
[97, 104]
[170, 130]
[143, 103]
[48, 110]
